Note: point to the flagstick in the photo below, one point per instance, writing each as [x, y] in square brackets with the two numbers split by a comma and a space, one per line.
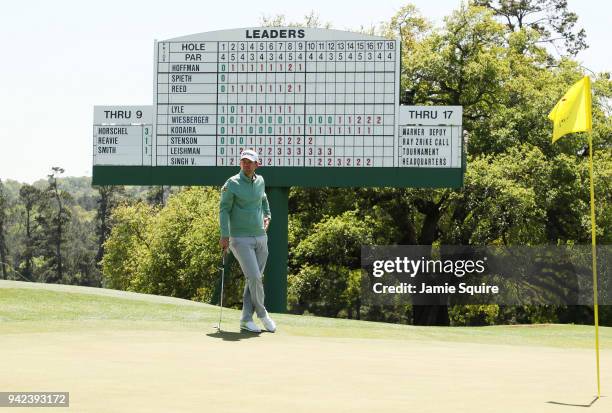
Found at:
[594, 253]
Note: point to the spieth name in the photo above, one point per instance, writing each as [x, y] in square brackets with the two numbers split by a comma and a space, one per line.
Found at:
[406, 288]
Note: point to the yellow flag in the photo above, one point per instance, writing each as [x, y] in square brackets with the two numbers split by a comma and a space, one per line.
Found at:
[573, 112]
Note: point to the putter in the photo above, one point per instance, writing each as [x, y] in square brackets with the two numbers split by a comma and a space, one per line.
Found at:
[221, 295]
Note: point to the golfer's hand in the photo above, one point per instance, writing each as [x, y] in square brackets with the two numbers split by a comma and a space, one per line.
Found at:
[224, 243]
[266, 223]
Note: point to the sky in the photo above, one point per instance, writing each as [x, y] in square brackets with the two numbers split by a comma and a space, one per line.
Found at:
[60, 58]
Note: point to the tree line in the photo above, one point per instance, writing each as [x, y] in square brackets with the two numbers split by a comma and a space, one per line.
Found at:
[54, 230]
[506, 63]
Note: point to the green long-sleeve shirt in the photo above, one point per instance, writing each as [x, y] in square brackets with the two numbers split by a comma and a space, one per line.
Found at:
[243, 206]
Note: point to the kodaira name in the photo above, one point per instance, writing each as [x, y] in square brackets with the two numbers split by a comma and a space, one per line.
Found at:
[275, 34]
[191, 130]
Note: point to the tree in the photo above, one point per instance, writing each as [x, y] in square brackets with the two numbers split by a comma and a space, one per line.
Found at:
[312, 19]
[108, 200]
[551, 19]
[3, 246]
[184, 244]
[503, 201]
[80, 248]
[171, 251]
[463, 64]
[519, 189]
[503, 83]
[157, 195]
[326, 264]
[128, 247]
[29, 196]
[53, 220]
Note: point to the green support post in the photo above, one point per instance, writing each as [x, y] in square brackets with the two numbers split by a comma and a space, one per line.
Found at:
[275, 284]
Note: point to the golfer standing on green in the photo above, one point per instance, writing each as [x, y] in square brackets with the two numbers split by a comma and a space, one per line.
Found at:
[244, 215]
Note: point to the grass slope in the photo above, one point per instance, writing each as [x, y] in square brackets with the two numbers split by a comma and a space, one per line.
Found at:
[29, 308]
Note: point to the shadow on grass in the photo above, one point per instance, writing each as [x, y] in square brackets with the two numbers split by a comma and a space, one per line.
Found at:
[574, 405]
[232, 335]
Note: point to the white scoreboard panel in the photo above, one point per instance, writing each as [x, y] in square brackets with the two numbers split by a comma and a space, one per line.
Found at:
[123, 135]
[300, 97]
[430, 136]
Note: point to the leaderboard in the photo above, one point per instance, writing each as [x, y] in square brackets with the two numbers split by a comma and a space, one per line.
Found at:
[298, 97]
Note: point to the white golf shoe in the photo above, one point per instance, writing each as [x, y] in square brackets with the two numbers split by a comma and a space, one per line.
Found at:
[250, 326]
[268, 323]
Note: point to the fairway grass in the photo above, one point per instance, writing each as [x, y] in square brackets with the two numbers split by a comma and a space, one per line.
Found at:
[40, 308]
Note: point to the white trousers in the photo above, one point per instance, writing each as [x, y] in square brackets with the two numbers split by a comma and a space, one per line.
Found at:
[251, 253]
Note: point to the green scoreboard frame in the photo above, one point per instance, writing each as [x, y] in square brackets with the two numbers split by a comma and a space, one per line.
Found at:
[281, 176]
